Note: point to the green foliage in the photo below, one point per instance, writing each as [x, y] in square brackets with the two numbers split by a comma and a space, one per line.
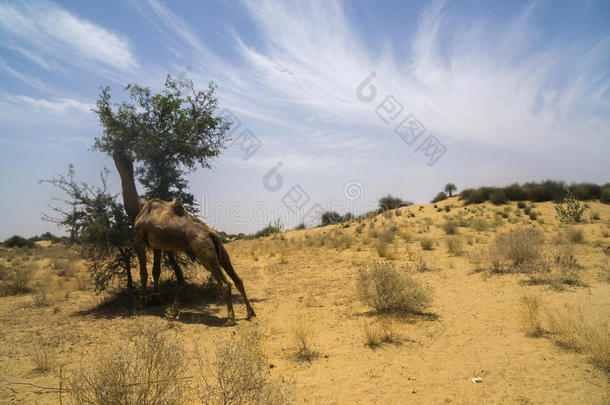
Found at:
[439, 197]
[97, 222]
[450, 188]
[572, 211]
[389, 203]
[18, 241]
[168, 134]
[498, 197]
[270, 229]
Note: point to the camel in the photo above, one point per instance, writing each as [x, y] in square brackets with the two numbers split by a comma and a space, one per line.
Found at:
[167, 226]
[163, 225]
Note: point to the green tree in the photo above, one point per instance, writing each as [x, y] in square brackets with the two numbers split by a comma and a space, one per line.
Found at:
[167, 134]
[450, 188]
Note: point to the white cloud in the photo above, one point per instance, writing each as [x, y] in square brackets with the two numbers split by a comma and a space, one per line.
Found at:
[55, 32]
[59, 105]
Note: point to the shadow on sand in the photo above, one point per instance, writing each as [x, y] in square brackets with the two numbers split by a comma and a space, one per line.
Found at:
[193, 301]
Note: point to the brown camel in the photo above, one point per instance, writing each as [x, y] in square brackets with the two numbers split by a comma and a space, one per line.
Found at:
[168, 226]
[163, 225]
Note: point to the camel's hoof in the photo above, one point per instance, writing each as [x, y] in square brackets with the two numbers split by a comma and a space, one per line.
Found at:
[230, 322]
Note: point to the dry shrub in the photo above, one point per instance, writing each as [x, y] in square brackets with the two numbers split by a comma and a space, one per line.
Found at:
[43, 290]
[426, 243]
[44, 357]
[574, 235]
[517, 250]
[18, 278]
[387, 235]
[340, 241]
[451, 227]
[240, 374]
[406, 235]
[303, 335]
[589, 333]
[421, 265]
[379, 333]
[530, 314]
[454, 245]
[65, 267]
[387, 289]
[384, 250]
[145, 371]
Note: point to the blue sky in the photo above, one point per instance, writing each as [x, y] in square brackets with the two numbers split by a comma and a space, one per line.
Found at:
[509, 91]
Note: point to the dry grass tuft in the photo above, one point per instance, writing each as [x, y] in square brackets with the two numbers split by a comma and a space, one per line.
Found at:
[574, 235]
[147, 371]
[589, 333]
[379, 333]
[240, 374]
[387, 289]
[43, 356]
[530, 314]
[43, 291]
[455, 245]
[303, 335]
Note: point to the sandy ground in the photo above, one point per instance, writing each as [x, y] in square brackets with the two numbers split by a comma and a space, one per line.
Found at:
[473, 328]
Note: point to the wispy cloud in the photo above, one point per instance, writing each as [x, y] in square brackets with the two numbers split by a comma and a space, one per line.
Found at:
[63, 36]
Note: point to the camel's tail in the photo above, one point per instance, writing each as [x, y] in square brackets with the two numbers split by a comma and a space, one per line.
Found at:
[223, 255]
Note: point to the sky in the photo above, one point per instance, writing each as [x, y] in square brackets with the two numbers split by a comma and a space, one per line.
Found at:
[334, 104]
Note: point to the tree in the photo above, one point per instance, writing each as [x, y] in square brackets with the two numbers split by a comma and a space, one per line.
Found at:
[167, 135]
[331, 217]
[450, 188]
[439, 197]
[389, 203]
[96, 221]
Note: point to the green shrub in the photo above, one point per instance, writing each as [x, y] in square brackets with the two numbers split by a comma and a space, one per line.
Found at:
[18, 241]
[497, 197]
[439, 197]
[572, 212]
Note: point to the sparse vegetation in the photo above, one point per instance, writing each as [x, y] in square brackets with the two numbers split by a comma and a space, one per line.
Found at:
[303, 334]
[147, 371]
[572, 212]
[387, 289]
[239, 374]
[454, 245]
[530, 306]
[426, 243]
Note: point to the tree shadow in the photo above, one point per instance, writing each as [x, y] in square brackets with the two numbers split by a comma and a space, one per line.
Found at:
[191, 301]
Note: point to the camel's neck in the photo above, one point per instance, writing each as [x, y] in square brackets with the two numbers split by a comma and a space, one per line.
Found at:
[124, 165]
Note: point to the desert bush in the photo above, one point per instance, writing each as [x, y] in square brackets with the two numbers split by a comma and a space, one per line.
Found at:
[520, 247]
[530, 306]
[18, 278]
[44, 357]
[574, 235]
[454, 245]
[18, 241]
[303, 336]
[239, 374]
[439, 197]
[572, 212]
[605, 194]
[498, 197]
[521, 205]
[387, 289]
[384, 249]
[389, 203]
[595, 216]
[590, 333]
[479, 224]
[270, 229]
[387, 235]
[340, 241]
[426, 243]
[451, 227]
[43, 292]
[148, 371]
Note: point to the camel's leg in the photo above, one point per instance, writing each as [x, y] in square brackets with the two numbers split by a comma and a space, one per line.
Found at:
[140, 248]
[226, 264]
[225, 286]
[156, 269]
[176, 267]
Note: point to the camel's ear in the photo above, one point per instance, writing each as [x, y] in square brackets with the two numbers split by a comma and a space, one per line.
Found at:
[179, 208]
